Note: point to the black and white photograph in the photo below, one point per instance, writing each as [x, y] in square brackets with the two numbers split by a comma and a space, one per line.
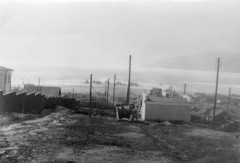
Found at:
[119, 81]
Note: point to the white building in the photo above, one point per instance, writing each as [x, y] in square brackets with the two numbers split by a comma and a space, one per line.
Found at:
[166, 109]
[5, 79]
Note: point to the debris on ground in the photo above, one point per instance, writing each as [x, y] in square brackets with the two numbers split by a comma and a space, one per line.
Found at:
[167, 123]
[59, 135]
[230, 127]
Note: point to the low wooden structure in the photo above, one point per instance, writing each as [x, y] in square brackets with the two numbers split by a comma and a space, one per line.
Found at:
[165, 109]
[32, 103]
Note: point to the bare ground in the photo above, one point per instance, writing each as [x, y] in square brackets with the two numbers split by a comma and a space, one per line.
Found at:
[66, 137]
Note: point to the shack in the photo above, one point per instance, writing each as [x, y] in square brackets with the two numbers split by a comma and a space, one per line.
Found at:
[164, 108]
[156, 92]
[5, 79]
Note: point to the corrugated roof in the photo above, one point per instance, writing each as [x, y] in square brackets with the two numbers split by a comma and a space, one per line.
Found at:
[5, 68]
[166, 101]
[45, 90]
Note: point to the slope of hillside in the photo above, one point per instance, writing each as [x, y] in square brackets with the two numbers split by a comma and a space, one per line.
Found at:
[202, 61]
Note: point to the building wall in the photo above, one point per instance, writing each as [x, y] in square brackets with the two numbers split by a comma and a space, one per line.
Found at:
[2, 80]
[9, 82]
[143, 107]
[5, 85]
[156, 111]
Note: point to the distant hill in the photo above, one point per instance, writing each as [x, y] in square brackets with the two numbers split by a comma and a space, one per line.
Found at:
[202, 62]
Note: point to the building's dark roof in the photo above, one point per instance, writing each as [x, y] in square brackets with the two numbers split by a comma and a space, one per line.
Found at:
[157, 89]
[5, 68]
[168, 91]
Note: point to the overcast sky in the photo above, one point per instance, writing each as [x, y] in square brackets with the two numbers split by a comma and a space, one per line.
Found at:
[104, 33]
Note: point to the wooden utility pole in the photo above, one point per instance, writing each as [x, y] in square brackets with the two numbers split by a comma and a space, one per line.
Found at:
[216, 91]
[90, 110]
[185, 87]
[107, 92]
[202, 105]
[202, 100]
[229, 99]
[129, 81]
[39, 84]
[114, 85]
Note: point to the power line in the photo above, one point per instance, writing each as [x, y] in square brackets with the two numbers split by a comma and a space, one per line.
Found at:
[233, 61]
[97, 93]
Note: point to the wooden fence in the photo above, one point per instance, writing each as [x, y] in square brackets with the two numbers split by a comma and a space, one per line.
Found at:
[32, 103]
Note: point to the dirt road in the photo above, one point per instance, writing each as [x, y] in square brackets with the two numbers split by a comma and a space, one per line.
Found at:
[66, 137]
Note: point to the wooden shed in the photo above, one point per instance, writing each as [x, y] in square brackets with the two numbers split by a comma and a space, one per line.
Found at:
[166, 109]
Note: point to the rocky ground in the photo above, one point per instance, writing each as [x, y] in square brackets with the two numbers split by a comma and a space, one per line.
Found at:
[63, 136]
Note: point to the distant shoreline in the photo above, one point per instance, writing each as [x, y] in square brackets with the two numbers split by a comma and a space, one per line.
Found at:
[197, 81]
